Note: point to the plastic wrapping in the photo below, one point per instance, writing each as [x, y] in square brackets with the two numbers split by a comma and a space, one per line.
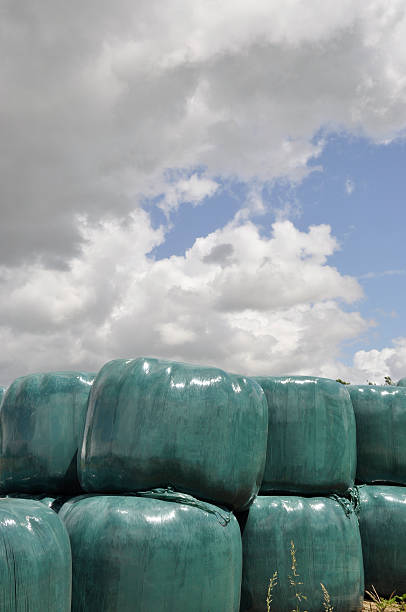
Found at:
[402, 382]
[146, 553]
[292, 546]
[382, 521]
[41, 424]
[2, 393]
[35, 558]
[311, 435]
[154, 423]
[380, 413]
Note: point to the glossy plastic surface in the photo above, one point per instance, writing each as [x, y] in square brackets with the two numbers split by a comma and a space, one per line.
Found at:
[327, 550]
[41, 425]
[154, 423]
[311, 435]
[380, 413]
[35, 558]
[382, 521]
[133, 554]
[2, 393]
[402, 382]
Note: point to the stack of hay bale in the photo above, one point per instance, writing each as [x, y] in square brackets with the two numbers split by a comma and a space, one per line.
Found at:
[155, 469]
[301, 540]
[380, 413]
[167, 452]
[151, 424]
[41, 427]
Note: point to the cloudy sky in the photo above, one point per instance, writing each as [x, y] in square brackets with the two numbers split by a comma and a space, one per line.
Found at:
[214, 182]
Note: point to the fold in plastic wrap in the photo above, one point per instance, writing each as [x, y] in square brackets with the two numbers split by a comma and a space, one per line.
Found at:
[41, 427]
[311, 436]
[35, 558]
[55, 503]
[146, 553]
[292, 546]
[2, 393]
[154, 423]
[382, 521]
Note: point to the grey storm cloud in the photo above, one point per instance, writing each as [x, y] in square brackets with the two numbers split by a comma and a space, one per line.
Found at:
[100, 99]
[220, 254]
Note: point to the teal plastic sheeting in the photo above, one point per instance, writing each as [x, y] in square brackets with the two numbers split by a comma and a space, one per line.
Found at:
[402, 382]
[154, 423]
[292, 546]
[2, 393]
[145, 553]
[311, 435]
[41, 427]
[382, 521]
[35, 558]
[380, 413]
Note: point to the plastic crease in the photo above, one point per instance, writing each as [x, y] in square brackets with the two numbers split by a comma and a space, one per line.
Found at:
[170, 494]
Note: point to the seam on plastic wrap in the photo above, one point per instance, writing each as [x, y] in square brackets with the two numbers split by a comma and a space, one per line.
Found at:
[169, 494]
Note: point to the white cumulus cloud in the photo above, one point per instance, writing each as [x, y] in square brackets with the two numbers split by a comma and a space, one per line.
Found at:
[248, 301]
[192, 190]
[375, 364]
[349, 186]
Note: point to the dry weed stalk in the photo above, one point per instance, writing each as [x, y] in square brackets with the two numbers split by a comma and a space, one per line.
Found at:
[295, 583]
[272, 582]
[326, 599]
[294, 575]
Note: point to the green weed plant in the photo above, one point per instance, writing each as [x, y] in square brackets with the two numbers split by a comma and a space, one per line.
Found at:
[394, 602]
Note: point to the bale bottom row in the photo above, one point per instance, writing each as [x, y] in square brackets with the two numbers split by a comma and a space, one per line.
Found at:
[170, 552]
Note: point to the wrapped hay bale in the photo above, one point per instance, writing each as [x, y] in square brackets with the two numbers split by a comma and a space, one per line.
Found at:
[166, 552]
[402, 382]
[35, 558]
[382, 522]
[301, 553]
[153, 423]
[380, 413]
[41, 427]
[311, 435]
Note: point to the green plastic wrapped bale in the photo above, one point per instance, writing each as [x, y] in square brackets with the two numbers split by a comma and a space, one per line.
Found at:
[41, 428]
[170, 553]
[292, 546]
[311, 435]
[382, 522]
[154, 423]
[2, 393]
[380, 413]
[35, 558]
[402, 382]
